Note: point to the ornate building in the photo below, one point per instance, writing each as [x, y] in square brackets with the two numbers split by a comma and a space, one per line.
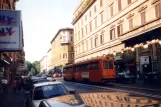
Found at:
[128, 30]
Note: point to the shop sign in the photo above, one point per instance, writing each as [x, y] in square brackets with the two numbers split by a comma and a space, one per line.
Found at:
[144, 59]
[10, 30]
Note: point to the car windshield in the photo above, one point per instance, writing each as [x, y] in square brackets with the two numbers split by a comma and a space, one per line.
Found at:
[49, 91]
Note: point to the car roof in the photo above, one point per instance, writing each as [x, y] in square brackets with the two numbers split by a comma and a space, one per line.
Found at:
[46, 83]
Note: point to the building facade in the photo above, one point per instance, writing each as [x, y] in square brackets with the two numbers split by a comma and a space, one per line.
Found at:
[128, 30]
[43, 64]
[49, 60]
[10, 61]
[62, 51]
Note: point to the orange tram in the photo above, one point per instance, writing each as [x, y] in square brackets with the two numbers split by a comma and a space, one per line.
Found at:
[97, 70]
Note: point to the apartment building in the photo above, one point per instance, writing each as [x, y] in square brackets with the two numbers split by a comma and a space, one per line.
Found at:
[128, 30]
[49, 60]
[62, 51]
[43, 64]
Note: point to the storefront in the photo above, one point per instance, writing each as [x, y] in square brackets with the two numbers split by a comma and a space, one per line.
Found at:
[145, 51]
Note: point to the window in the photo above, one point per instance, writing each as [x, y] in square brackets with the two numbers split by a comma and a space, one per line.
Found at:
[96, 22]
[71, 48]
[86, 29]
[102, 18]
[143, 18]
[111, 8]
[112, 34]
[95, 9]
[86, 18]
[119, 30]
[82, 22]
[82, 47]
[90, 14]
[49, 91]
[72, 55]
[90, 25]
[130, 24]
[71, 33]
[82, 32]
[96, 41]
[101, 3]
[79, 49]
[102, 38]
[71, 38]
[158, 10]
[128, 2]
[78, 35]
[119, 5]
[91, 43]
[86, 45]
[64, 55]
[107, 65]
[93, 66]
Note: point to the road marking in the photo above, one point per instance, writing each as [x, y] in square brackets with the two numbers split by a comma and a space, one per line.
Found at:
[121, 90]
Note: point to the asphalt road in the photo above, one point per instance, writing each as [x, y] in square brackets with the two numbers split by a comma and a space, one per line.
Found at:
[84, 88]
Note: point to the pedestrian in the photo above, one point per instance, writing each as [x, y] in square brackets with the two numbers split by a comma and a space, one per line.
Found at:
[15, 85]
[5, 85]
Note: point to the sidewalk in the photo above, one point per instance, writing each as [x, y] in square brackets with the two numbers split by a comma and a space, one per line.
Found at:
[12, 100]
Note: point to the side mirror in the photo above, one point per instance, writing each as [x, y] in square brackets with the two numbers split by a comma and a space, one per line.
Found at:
[72, 91]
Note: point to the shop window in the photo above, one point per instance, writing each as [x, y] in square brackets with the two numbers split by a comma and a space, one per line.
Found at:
[158, 10]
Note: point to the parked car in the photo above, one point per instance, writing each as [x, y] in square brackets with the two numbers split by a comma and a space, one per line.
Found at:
[125, 76]
[46, 90]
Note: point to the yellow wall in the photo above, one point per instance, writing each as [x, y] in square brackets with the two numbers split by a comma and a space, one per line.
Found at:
[57, 51]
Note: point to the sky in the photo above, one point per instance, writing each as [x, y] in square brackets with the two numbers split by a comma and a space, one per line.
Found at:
[41, 21]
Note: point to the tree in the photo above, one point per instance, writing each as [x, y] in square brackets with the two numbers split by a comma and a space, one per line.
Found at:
[28, 65]
[36, 65]
[33, 71]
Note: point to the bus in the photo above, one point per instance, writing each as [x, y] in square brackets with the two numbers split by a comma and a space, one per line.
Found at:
[68, 72]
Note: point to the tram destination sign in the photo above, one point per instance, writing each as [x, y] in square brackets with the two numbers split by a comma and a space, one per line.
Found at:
[10, 30]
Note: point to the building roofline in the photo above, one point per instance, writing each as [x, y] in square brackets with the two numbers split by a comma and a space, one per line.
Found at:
[60, 31]
[42, 58]
[49, 50]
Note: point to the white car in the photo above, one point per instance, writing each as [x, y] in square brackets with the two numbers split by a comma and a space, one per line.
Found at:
[45, 90]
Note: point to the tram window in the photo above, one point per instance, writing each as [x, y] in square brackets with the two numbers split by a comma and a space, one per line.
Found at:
[95, 66]
[110, 65]
[90, 66]
[105, 64]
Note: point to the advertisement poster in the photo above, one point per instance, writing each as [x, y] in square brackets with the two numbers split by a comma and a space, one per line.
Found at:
[10, 30]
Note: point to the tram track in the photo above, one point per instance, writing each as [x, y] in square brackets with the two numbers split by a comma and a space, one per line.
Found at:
[152, 93]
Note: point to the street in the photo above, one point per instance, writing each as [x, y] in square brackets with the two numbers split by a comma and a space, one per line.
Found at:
[142, 90]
